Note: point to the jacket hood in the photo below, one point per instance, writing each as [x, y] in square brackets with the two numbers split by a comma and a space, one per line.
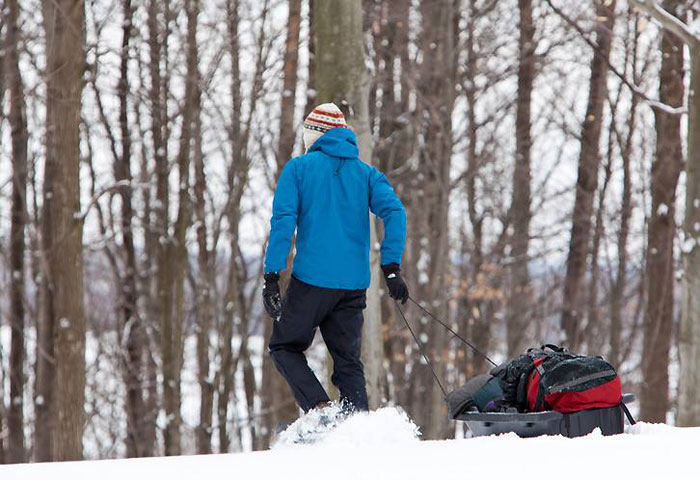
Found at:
[337, 142]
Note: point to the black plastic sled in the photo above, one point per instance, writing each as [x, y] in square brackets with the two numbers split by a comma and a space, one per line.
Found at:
[611, 421]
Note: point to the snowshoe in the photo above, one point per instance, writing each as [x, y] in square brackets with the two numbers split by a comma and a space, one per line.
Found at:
[313, 426]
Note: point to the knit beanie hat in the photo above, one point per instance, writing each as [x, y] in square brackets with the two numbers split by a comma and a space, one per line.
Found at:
[320, 120]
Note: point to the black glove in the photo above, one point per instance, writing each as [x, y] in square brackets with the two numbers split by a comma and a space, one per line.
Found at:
[271, 295]
[397, 287]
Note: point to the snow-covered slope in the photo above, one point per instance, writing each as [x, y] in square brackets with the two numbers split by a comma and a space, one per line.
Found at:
[383, 445]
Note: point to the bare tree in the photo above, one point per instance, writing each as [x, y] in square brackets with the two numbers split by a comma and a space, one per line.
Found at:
[158, 21]
[342, 77]
[667, 166]
[689, 336]
[225, 378]
[587, 181]
[519, 298]
[18, 123]
[205, 290]
[278, 404]
[62, 229]
[178, 249]
[289, 86]
[436, 91]
[617, 295]
[132, 330]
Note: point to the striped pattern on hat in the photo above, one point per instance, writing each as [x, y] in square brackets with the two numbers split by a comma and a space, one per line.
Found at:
[324, 117]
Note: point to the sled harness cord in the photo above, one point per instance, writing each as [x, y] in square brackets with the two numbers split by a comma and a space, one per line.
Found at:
[420, 345]
[422, 351]
[464, 341]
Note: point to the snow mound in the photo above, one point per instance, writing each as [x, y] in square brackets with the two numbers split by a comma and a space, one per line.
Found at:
[386, 426]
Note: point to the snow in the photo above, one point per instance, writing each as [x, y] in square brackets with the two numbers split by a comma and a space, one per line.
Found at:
[384, 445]
[688, 245]
[662, 210]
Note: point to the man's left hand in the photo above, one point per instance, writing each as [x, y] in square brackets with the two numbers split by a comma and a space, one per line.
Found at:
[397, 287]
[271, 295]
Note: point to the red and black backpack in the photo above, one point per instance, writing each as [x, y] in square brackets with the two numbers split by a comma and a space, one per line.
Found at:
[552, 378]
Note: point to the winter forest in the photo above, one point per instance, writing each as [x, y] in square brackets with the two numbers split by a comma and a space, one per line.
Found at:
[547, 153]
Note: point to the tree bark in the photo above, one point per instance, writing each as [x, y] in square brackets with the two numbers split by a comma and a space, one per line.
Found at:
[205, 294]
[342, 78]
[689, 336]
[311, 74]
[391, 39]
[177, 249]
[225, 383]
[278, 405]
[519, 298]
[667, 166]
[131, 325]
[436, 91]
[591, 332]
[289, 86]
[18, 125]
[587, 181]
[620, 285]
[64, 22]
[157, 43]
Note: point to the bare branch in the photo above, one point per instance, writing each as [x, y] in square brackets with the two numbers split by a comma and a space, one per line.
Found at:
[635, 89]
[668, 22]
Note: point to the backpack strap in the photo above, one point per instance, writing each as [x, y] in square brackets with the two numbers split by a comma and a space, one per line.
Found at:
[627, 413]
[554, 348]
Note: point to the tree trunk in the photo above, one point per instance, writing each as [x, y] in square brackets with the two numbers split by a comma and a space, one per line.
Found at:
[277, 403]
[177, 251]
[478, 326]
[689, 336]
[148, 279]
[519, 298]
[619, 287]
[311, 75]
[658, 320]
[342, 77]
[587, 181]
[64, 22]
[592, 330]
[437, 93]
[45, 369]
[132, 328]
[161, 209]
[391, 38]
[205, 293]
[289, 86]
[18, 124]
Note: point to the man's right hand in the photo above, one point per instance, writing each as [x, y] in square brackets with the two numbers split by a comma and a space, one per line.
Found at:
[271, 295]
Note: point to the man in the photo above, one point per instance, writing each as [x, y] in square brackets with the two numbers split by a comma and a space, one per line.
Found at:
[326, 195]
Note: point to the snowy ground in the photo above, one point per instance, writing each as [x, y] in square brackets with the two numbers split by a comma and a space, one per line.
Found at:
[383, 445]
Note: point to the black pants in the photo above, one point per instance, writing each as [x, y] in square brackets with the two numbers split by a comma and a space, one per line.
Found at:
[338, 313]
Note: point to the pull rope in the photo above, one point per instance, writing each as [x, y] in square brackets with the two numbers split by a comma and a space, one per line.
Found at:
[422, 351]
[465, 341]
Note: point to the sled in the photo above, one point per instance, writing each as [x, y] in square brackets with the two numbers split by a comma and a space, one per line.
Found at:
[610, 421]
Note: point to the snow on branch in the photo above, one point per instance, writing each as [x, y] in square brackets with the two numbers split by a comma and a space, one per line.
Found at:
[668, 22]
[634, 88]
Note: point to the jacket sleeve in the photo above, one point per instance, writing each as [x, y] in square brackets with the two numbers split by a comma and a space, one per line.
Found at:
[284, 219]
[385, 204]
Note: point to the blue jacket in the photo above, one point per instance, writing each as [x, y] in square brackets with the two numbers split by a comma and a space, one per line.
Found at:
[326, 195]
